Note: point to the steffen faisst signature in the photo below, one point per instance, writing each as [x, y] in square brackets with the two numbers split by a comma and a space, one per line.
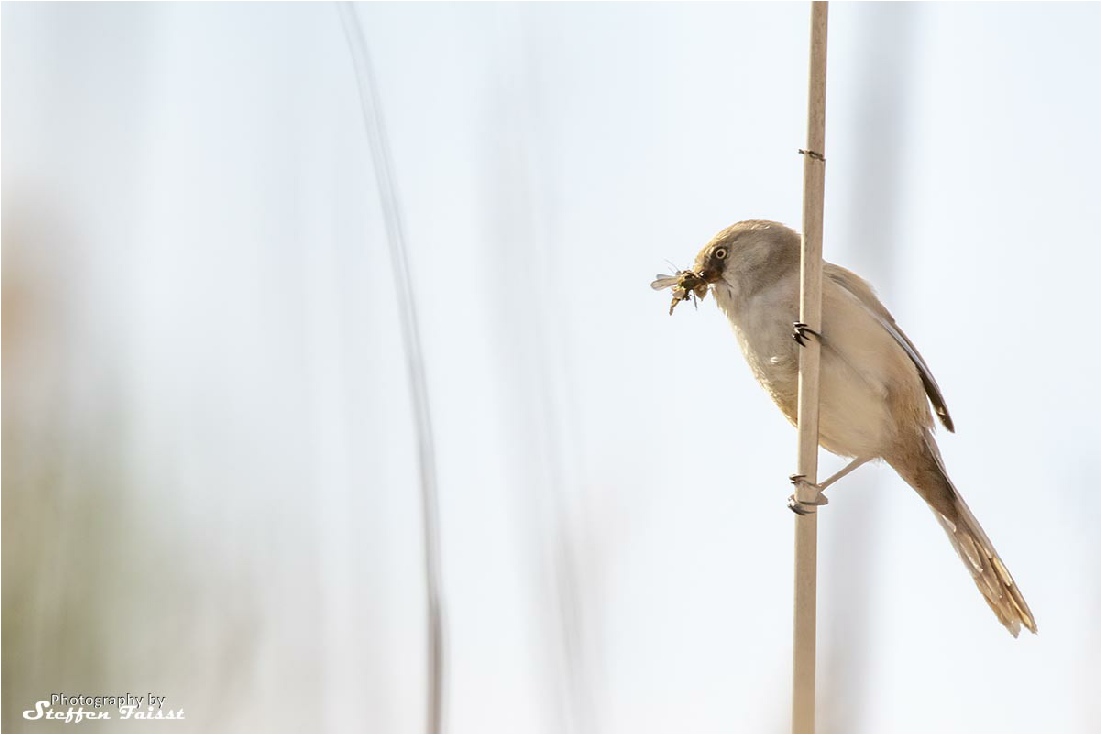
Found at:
[129, 708]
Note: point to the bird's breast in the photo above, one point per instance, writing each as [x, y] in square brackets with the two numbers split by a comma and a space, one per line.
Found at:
[853, 407]
[762, 322]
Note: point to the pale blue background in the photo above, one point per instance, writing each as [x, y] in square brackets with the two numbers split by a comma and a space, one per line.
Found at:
[210, 488]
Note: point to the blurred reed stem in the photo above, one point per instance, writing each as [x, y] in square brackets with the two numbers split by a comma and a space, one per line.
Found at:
[415, 363]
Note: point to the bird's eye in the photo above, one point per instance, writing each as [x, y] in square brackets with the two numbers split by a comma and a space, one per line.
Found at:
[720, 253]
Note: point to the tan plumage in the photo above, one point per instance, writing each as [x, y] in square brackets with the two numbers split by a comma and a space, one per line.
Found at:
[874, 384]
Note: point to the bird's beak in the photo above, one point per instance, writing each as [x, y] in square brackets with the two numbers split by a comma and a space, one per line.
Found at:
[710, 274]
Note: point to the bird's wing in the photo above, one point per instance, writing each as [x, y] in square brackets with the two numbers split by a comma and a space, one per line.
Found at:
[863, 292]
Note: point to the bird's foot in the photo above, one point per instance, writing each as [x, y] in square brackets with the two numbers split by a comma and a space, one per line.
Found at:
[800, 332]
[800, 507]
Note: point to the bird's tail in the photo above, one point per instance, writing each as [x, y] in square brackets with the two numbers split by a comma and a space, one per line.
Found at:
[988, 570]
[967, 536]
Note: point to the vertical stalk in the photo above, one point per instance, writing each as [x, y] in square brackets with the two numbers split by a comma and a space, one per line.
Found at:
[811, 288]
[415, 362]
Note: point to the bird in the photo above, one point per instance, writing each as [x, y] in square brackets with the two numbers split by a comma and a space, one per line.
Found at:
[875, 389]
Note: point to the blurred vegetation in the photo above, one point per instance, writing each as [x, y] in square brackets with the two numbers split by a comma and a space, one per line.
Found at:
[97, 599]
[62, 515]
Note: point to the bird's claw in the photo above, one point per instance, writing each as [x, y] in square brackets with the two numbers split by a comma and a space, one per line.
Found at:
[800, 332]
[800, 507]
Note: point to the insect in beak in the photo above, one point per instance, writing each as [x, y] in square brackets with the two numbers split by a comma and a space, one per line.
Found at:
[685, 284]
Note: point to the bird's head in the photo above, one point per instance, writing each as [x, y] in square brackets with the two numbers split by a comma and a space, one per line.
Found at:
[748, 255]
